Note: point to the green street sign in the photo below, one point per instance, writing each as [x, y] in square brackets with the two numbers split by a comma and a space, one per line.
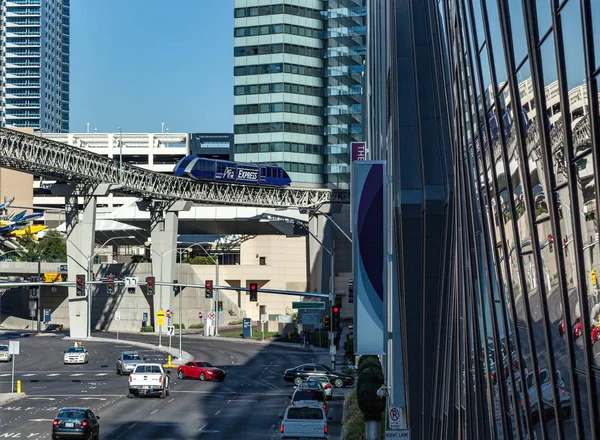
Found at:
[308, 305]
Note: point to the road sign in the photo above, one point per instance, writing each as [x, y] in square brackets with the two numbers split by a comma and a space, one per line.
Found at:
[47, 315]
[403, 434]
[145, 316]
[161, 322]
[160, 314]
[394, 417]
[211, 315]
[171, 330]
[131, 281]
[13, 347]
[308, 305]
[63, 268]
[200, 315]
[168, 313]
[118, 316]
[264, 318]
[51, 277]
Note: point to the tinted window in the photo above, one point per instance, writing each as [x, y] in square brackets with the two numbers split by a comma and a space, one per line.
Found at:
[305, 413]
[308, 395]
[75, 350]
[71, 414]
[131, 357]
[3, 348]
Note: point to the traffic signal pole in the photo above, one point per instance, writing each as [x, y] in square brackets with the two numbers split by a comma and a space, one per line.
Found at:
[217, 296]
[331, 299]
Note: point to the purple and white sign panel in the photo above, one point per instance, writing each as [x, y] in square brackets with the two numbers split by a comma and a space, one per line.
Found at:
[359, 150]
[368, 254]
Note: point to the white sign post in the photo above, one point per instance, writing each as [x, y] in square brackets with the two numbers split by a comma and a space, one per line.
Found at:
[263, 318]
[13, 348]
[170, 331]
[117, 318]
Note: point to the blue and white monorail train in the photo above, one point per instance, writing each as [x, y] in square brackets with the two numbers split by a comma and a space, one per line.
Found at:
[202, 168]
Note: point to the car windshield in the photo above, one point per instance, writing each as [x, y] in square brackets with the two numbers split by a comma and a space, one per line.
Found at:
[147, 369]
[3, 348]
[131, 357]
[75, 350]
[71, 414]
[308, 395]
[296, 413]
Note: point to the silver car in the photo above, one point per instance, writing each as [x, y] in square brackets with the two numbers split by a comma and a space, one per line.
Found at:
[4, 355]
[324, 383]
[128, 360]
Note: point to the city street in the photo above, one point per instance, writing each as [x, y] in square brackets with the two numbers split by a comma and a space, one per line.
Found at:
[248, 402]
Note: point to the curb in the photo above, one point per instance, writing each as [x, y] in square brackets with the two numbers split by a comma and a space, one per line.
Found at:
[11, 399]
[172, 351]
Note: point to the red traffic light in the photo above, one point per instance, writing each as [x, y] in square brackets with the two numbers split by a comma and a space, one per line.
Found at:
[336, 309]
[208, 283]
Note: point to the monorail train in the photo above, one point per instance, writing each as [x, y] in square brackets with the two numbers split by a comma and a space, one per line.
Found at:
[201, 168]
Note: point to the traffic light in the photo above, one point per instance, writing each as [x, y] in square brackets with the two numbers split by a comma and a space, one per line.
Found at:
[80, 285]
[335, 318]
[176, 289]
[253, 292]
[327, 323]
[150, 285]
[220, 307]
[110, 286]
[550, 241]
[208, 289]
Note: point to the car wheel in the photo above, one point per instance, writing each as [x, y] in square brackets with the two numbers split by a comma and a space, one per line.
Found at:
[297, 381]
[130, 394]
[202, 376]
[180, 375]
[339, 383]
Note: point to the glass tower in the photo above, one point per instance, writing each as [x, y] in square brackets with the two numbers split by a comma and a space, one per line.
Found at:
[517, 326]
[297, 85]
[35, 64]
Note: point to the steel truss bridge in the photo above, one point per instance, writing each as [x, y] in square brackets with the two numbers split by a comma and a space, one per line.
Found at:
[44, 157]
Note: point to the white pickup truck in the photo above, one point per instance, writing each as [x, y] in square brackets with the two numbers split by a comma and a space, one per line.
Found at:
[149, 379]
[304, 422]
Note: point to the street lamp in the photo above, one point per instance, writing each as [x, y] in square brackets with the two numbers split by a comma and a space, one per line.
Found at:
[89, 279]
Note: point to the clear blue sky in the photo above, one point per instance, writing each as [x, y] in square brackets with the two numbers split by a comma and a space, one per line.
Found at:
[137, 63]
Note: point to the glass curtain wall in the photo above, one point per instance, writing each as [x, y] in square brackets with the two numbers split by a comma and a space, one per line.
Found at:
[525, 81]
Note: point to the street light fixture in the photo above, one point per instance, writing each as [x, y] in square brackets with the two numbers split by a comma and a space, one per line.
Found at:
[89, 279]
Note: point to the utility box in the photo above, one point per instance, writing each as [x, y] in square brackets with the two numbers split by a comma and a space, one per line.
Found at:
[247, 327]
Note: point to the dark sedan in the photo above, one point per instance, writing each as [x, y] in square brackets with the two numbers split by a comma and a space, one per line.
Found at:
[304, 371]
[76, 423]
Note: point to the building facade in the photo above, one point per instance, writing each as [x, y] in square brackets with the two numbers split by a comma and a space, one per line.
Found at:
[297, 85]
[516, 351]
[34, 72]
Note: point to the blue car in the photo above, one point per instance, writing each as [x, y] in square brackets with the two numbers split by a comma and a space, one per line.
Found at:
[76, 423]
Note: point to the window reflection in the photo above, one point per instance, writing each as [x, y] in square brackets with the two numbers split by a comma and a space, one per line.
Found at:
[572, 37]
[518, 39]
[544, 17]
[496, 41]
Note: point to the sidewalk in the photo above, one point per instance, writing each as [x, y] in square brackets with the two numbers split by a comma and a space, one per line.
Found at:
[6, 398]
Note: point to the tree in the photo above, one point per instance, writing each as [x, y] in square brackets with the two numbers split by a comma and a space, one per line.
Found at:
[371, 405]
[198, 259]
[52, 247]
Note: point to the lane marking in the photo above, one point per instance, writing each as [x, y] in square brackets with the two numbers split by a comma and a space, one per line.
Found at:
[53, 374]
[101, 374]
[76, 374]
[27, 375]
[217, 413]
[5, 374]
[41, 420]
[154, 412]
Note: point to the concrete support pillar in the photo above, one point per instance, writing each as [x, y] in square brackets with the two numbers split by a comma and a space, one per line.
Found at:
[319, 260]
[81, 226]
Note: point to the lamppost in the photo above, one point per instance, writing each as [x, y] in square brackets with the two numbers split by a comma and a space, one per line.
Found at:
[89, 279]
[216, 290]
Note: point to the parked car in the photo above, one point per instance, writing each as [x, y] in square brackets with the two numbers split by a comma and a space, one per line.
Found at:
[127, 361]
[576, 327]
[149, 379]
[77, 354]
[304, 371]
[304, 422]
[76, 423]
[324, 383]
[200, 370]
[5, 356]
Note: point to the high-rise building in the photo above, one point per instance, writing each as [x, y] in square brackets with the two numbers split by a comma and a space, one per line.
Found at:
[505, 344]
[34, 72]
[297, 85]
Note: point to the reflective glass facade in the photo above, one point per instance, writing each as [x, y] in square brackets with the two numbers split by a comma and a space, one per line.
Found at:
[35, 64]
[517, 323]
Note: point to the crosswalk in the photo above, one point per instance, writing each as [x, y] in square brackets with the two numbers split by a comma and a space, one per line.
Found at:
[54, 374]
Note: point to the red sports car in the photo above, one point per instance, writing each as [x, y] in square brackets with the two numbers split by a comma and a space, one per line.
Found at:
[200, 370]
[576, 327]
